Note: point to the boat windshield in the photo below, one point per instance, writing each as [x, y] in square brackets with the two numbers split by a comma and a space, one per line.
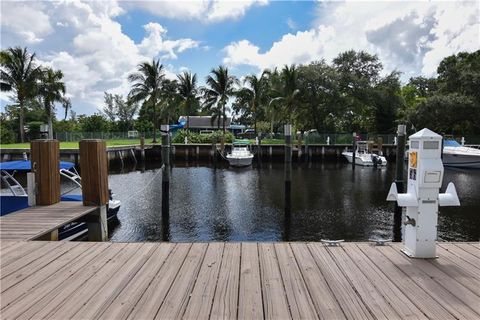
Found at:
[451, 143]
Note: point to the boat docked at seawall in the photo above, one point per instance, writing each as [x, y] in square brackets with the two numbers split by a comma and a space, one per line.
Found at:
[17, 198]
[456, 155]
[241, 156]
[365, 157]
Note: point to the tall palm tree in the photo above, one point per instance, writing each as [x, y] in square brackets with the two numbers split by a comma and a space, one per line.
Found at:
[51, 89]
[19, 74]
[287, 91]
[253, 96]
[188, 93]
[220, 87]
[147, 86]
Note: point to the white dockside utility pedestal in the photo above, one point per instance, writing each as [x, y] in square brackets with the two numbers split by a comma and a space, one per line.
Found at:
[425, 175]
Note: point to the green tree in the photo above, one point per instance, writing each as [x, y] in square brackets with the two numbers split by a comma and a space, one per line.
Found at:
[94, 123]
[287, 93]
[220, 86]
[19, 73]
[51, 89]
[147, 86]
[189, 94]
[252, 97]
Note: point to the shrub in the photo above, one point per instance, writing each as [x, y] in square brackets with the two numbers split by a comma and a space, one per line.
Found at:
[7, 136]
[194, 137]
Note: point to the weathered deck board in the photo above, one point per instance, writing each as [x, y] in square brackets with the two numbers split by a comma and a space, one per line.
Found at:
[34, 222]
[45, 280]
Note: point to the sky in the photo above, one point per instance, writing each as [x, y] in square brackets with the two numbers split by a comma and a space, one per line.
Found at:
[98, 43]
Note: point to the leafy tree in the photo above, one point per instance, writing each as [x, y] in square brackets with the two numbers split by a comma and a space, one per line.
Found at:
[220, 86]
[51, 89]
[116, 107]
[67, 106]
[146, 86]
[251, 99]
[19, 73]
[287, 93]
[189, 94]
[94, 123]
[110, 108]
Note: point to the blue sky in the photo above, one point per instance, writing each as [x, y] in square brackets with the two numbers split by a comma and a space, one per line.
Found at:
[98, 43]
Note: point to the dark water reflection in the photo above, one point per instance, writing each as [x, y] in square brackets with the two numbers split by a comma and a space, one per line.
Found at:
[329, 200]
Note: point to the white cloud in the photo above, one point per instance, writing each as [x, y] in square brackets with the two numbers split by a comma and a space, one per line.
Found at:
[412, 37]
[203, 10]
[25, 20]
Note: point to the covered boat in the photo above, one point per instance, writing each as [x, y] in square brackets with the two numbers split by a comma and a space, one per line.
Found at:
[241, 156]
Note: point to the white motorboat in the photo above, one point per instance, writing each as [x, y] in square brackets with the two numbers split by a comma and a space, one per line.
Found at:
[241, 156]
[364, 156]
[456, 155]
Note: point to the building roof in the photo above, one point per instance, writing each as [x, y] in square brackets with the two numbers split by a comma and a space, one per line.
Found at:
[205, 122]
[425, 133]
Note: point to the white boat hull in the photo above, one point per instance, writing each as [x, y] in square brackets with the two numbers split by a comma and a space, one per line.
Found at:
[461, 160]
[363, 159]
[240, 162]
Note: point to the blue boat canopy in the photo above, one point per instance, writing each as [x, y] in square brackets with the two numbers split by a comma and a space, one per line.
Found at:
[451, 143]
[22, 165]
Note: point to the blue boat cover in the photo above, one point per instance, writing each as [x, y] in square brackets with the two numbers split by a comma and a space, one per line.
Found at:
[451, 143]
[12, 203]
[22, 165]
[71, 197]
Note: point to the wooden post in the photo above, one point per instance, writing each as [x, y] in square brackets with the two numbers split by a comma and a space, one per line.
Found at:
[45, 156]
[354, 147]
[94, 173]
[288, 179]
[165, 182]
[399, 181]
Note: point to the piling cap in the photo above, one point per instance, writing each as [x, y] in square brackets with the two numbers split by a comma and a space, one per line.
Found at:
[425, 133]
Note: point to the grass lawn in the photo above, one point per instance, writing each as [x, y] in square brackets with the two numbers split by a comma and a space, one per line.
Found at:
[73, 145]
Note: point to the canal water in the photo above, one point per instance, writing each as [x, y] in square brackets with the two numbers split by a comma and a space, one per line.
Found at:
[329, 201]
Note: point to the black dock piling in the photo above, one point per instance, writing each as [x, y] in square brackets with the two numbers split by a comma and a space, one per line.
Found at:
[288, 177]
[165, 182]
[354, 149]
[399, 181]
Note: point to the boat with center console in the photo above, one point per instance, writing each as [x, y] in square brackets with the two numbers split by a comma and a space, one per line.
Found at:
[241, 156]
[365, 157]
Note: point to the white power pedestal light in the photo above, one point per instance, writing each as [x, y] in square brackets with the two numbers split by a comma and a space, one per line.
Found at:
[425, 175]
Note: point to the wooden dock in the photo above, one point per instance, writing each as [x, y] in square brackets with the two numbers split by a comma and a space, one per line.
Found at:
[87, 280]
[41, 221]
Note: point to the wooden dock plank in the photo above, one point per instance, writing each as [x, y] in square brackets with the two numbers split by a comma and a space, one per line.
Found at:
[250, 289]
[149, 303]
[84, 280]
[469, 248]
[462, 254]
[201, 298]
[125, 301]
[275, 304]
[351, 303]
[175, 302]
[299, 300]
[104, 296]
[225, 301]
[325, 303]
[77, 255]
[371, 297]
[33, 222]
[48, 296]
[451, 302]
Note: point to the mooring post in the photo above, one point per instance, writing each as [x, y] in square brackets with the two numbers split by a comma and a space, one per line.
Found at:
[165, 182]
[142, 148]
[45, 157]
[259, 148]
[354, 149]
[288, 177]
[94, 173]
[399, 181]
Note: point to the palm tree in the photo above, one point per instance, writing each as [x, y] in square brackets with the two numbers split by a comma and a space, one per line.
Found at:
[67, 105]
[19, 74]
[51, 89]
[254, 96]
[188, 93]
[286, 92]
[147, 86]
[220, 87]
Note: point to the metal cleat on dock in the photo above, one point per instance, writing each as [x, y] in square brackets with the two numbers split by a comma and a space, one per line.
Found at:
[380, 242]
[331, 243]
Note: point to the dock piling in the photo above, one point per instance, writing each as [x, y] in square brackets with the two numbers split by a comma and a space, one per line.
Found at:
[45, 157]
[354, 147]
[94, 173]
[288, 178]
[165, 182]
[399, 181]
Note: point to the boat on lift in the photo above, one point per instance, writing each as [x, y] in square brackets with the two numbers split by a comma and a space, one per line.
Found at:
[459, 156]
[365, 157]
[16, 198]
[240, 156]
